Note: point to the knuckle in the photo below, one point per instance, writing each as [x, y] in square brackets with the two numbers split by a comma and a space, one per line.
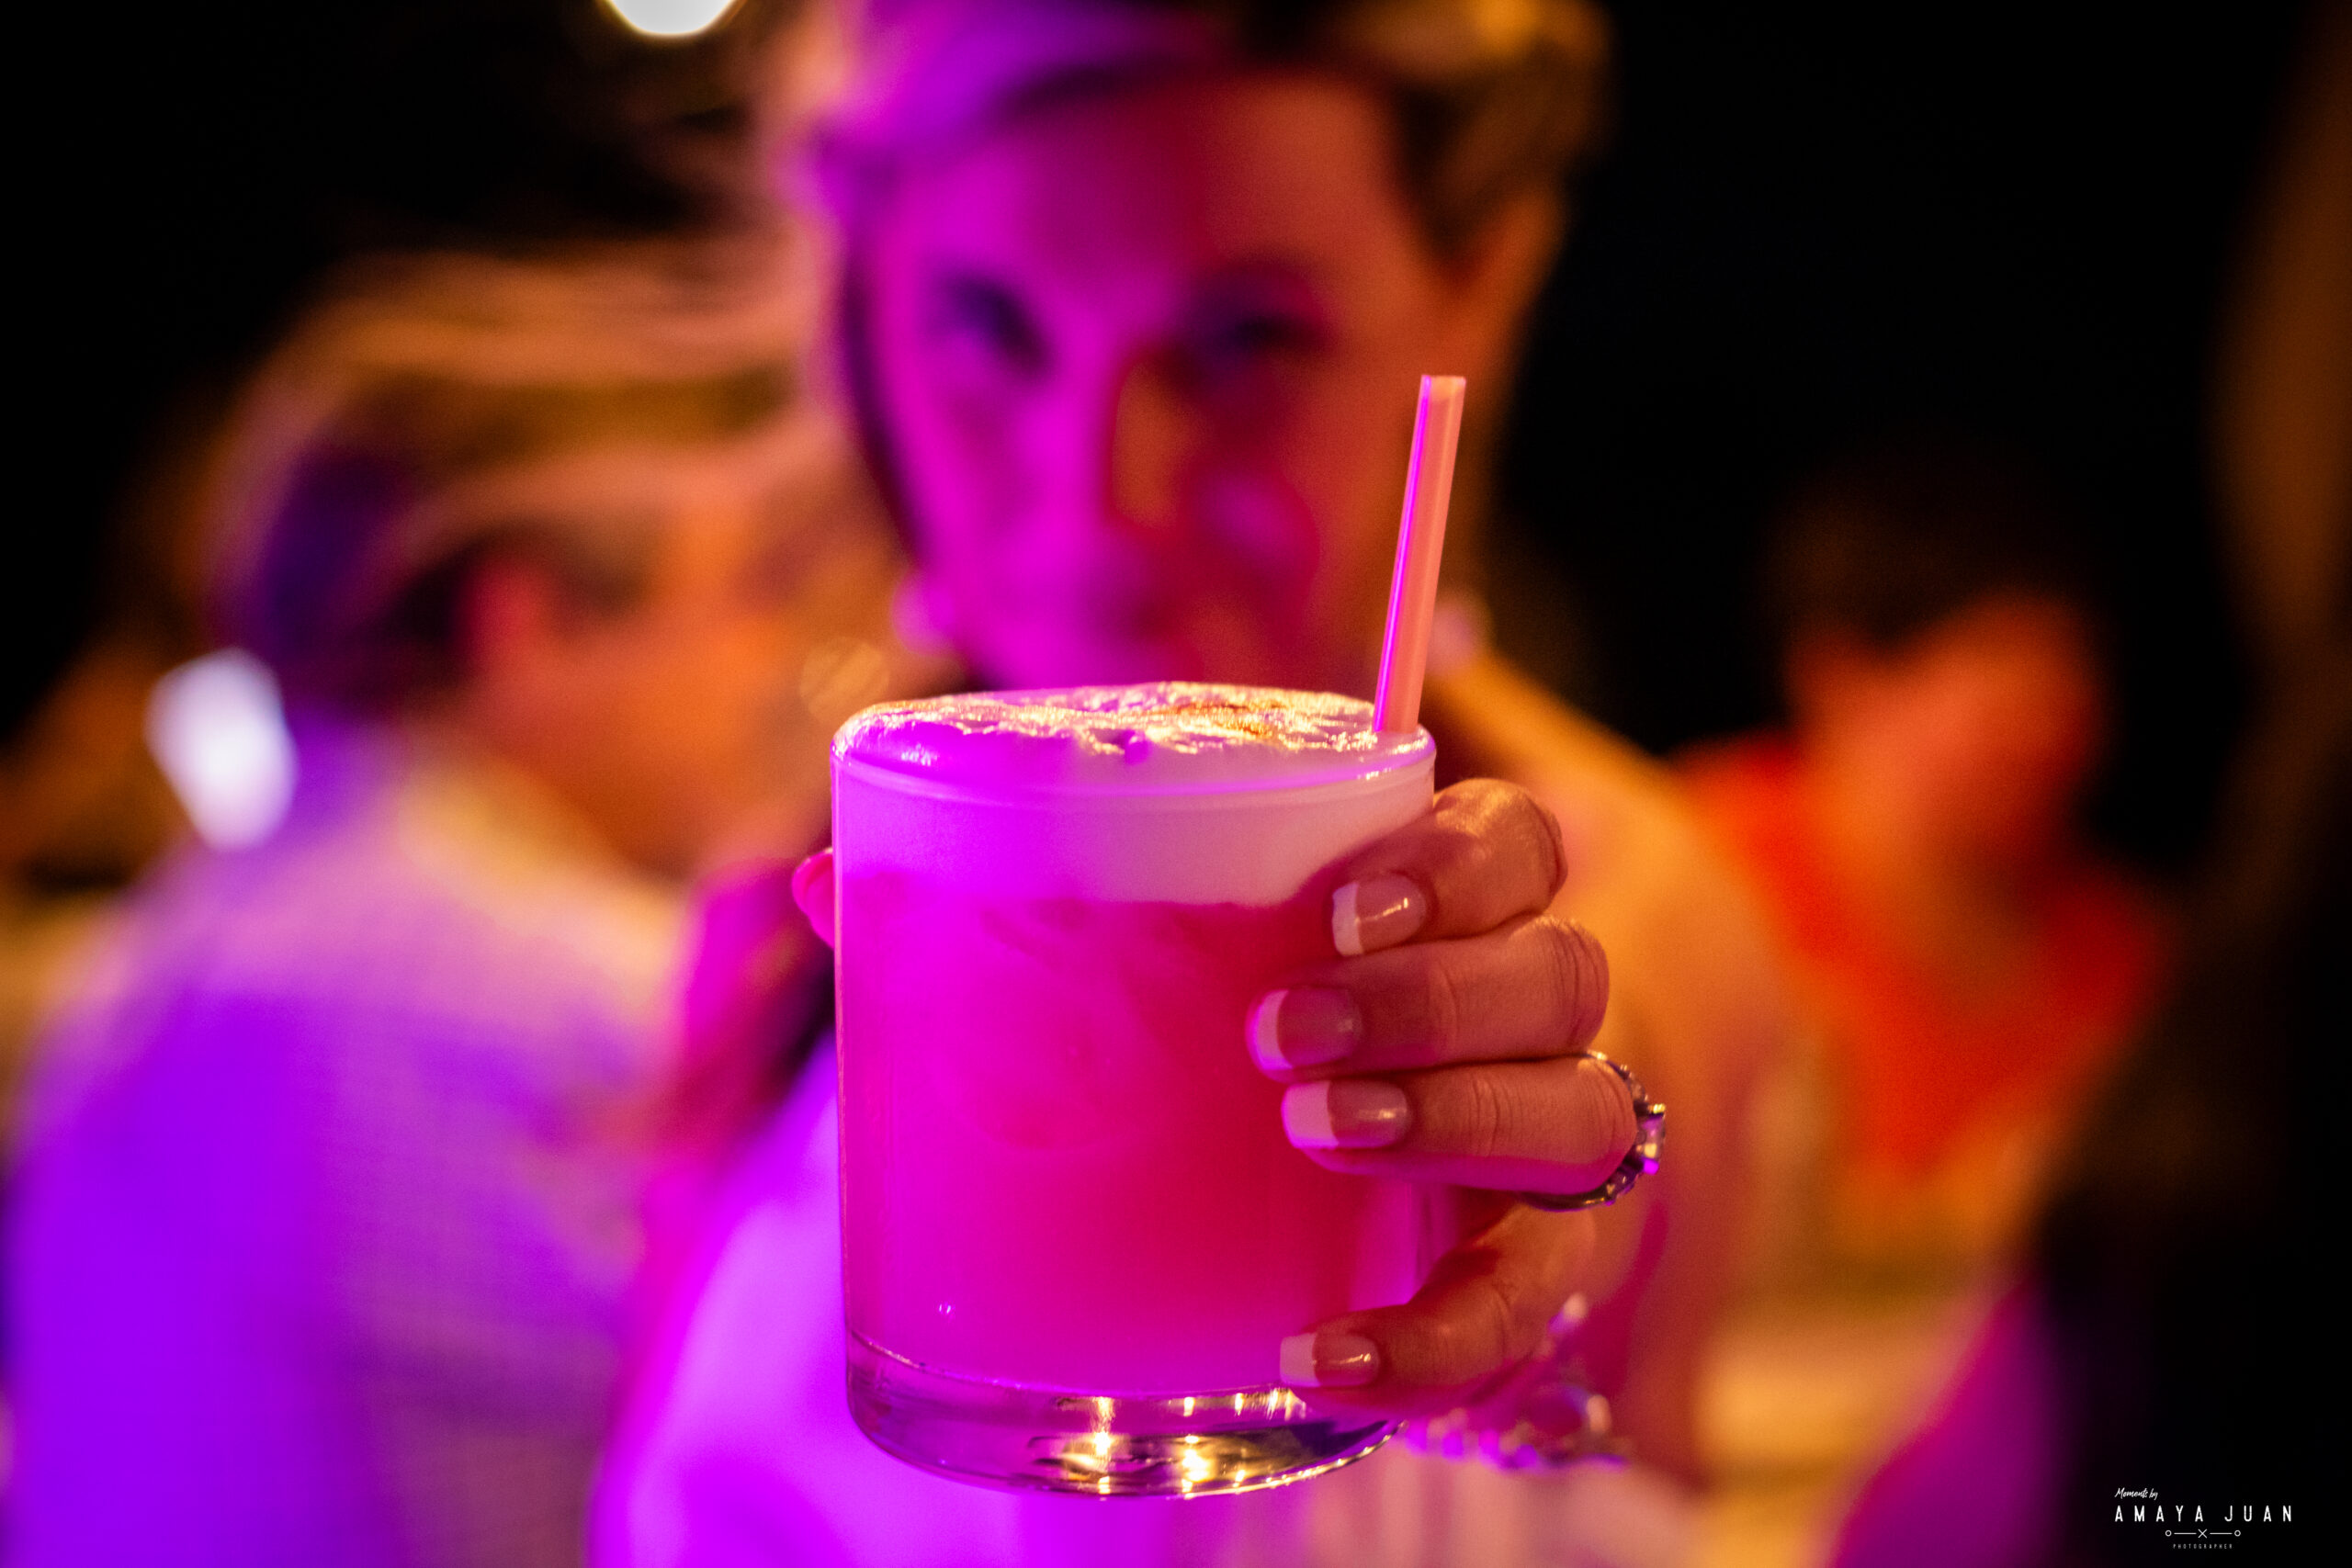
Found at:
[1508, 1316]
[1489, 842]
[1499, 1316]
[1442, 1004]
[1592, 965]
[1601, 1120]
[1535, 832]
[1474, 795]
[1556, 839]
[1483, 1326]
[1561, 950]
[1580, 972]
[1484, 1114]
[1454, 855]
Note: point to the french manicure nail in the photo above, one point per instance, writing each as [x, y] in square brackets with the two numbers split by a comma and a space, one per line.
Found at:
[1329, 1360]
[1346, 1114]
[1304, 1028]
[1377, 912]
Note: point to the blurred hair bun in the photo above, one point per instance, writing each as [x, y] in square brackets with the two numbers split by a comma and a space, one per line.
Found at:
[1491, 97]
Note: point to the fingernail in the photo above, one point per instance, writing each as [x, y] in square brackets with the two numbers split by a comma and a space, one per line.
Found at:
[1377, 912]
[1346, 1114]
[1329, 1361]
[1304, 1028]
[812, 891]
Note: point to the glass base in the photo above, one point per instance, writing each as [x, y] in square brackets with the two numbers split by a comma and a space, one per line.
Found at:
[1037, 1439]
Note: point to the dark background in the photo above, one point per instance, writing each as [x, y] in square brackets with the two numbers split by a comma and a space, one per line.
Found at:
[1812, 223]
[189, 172]
[1818, 223]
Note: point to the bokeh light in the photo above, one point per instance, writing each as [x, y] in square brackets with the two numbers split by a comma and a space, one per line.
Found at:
[218, 732]
[671, 18]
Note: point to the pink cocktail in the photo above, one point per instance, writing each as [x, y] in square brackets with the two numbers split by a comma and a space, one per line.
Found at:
[1074, 1233]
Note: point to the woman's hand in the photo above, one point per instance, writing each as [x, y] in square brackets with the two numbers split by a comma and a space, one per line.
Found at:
[1444, 1047]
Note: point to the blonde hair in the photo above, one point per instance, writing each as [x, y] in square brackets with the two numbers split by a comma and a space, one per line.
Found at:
[1490, 97]
[359, 475]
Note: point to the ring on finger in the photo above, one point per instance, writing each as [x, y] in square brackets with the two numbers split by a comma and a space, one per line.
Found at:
[1649, 1136]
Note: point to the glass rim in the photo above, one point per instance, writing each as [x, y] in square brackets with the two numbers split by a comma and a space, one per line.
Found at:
[1343, 778]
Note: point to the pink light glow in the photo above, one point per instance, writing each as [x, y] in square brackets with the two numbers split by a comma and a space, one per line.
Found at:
[1062, 1168]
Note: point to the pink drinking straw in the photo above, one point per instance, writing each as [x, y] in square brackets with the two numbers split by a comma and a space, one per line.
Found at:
[1420, 541]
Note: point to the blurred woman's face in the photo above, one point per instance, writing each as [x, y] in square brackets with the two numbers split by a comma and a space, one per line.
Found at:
[1146, 363]
[1981, 731]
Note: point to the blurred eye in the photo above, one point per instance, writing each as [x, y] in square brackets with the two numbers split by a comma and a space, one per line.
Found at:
[1240, 335]
[981, 332]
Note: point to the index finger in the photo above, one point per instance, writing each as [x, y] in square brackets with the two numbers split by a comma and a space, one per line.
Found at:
[1488, 852]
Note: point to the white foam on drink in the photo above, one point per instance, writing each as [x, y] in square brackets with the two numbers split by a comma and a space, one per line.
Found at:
[1175, 791]
[1166, 735]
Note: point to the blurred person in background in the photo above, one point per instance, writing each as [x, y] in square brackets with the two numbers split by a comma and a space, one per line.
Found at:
[1134, 300]
[329, 1187]
[1966, 966]
[272, 143]
[2157, 1365]
[2154, 1381]
[2130, 1375]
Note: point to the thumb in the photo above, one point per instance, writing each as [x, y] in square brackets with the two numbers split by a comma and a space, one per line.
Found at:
[812, 889]
[1483, 1309]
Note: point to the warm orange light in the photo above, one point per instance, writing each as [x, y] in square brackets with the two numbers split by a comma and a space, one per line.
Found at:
[671, 18]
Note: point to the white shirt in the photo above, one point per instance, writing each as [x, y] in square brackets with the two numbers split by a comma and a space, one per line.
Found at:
[741, 1450]
[326, 1205]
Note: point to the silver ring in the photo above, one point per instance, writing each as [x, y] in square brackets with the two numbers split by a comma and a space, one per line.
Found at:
[1649, 1135]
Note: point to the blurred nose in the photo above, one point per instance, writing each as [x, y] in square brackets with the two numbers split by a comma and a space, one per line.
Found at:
[1153, 431]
